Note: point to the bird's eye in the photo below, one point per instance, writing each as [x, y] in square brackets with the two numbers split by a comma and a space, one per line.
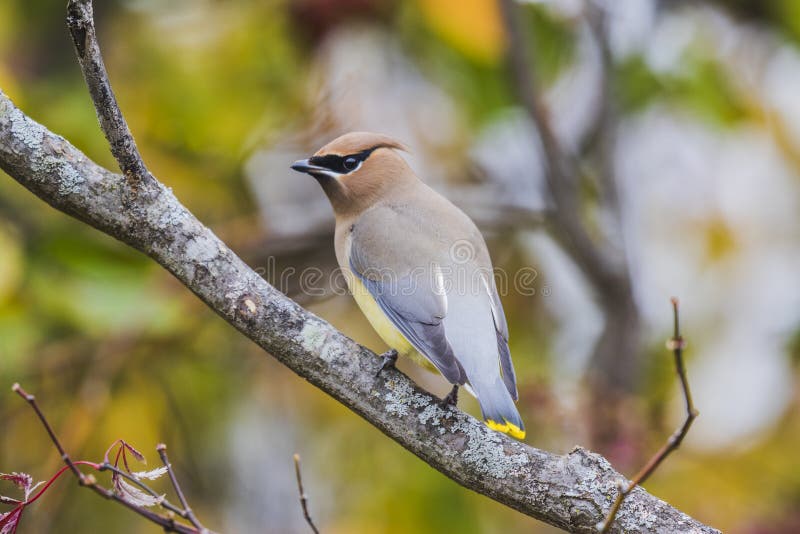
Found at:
[350, 163]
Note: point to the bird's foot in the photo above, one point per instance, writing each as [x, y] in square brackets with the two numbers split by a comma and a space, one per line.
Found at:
[451, 399]
[389, 358]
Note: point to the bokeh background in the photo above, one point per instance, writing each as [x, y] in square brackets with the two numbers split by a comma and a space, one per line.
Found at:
[223, 96]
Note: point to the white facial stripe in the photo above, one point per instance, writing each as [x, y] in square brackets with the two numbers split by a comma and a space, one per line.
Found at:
[336, 175]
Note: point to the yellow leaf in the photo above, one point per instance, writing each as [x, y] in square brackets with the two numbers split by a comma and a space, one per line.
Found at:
[472, 27]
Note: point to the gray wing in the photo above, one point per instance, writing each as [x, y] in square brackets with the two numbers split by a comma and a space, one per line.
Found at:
[501, 327]
[409, 298]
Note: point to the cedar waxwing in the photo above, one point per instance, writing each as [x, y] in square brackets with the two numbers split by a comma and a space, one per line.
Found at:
[420, 271]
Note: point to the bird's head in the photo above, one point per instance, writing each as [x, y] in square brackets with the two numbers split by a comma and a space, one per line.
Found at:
[357, 169]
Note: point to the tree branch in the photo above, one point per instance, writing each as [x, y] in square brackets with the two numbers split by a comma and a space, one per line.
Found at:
[676, 344]
[187, 510]
[570, 491]
[615, 364]
[80, 22]
[561, 172]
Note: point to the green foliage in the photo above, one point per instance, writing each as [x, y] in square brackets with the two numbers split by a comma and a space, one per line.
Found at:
[635, 85]
[701, 87]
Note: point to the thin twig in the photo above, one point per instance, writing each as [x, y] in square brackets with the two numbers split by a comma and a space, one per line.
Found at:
[80, 22]
[167, 523]
[89, 481]
[676, 344]
[303, 498]
[31, 400]
[187, 510]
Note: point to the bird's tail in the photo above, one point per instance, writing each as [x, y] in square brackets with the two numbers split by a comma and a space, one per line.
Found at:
[498, 409]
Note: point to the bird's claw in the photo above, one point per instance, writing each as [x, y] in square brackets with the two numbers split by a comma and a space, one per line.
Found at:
[389, 358]
[451, 399]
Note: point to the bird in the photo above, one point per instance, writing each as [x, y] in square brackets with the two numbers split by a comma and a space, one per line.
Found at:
[420, 271]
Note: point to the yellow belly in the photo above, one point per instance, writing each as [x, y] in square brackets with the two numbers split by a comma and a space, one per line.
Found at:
[383, 325]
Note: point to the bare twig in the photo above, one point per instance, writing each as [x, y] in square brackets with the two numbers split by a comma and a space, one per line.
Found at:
[303, 498]
[80, 22]
[167, 523]
[31, 400]
[187, 510]
[89, 481]
[676, 344]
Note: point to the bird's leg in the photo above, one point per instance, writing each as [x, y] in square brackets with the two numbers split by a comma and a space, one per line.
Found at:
[451, 399]
[389, 359]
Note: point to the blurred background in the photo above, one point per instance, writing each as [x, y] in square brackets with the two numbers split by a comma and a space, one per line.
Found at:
[223, 96]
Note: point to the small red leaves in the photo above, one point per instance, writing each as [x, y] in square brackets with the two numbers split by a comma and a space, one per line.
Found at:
[125, 488]
[9, 521]
[23, 481]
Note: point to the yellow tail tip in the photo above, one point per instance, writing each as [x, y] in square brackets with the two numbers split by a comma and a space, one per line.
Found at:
[507, 428]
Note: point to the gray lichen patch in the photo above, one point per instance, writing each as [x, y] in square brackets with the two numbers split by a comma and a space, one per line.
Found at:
[199, 249]
[486, 453]
[312, 337]
[434, 414]
[71, 180]
[25, 130]
[590, 472]
[315, 337]
[401, 398]
[164, 216]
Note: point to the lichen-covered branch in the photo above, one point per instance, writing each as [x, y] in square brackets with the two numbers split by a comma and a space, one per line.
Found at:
[572, 491]
[80, 22]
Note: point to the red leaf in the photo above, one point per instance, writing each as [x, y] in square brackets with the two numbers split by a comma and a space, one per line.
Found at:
[22, 480]
[124, 448]
[136, 454]
[10, 521]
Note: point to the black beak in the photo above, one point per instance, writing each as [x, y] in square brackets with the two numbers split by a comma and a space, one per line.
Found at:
[302, 165]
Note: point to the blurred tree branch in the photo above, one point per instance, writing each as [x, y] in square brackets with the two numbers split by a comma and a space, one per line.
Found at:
[615, 366]
[570, 491]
